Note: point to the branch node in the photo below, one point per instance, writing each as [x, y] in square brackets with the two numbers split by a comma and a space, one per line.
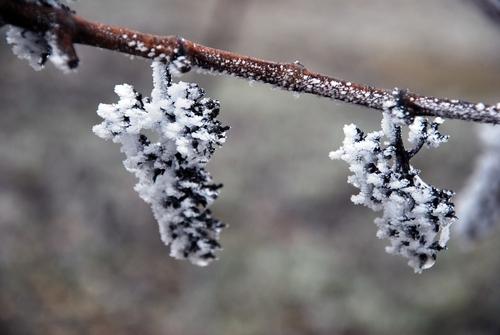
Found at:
[179, 62]
[181, 49]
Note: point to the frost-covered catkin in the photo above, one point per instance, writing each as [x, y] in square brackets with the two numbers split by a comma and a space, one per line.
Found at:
[416, 217]
[479, 202]
[172, 170]
[38, 47]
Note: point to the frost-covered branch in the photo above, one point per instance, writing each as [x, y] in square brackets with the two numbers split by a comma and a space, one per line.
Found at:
[41, 16]
[416, 217]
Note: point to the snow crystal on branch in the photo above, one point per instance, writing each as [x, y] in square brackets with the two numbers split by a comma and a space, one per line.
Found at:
[416, 217]
[29, 45]
[38, 47]
[478, 204]
[172, 170]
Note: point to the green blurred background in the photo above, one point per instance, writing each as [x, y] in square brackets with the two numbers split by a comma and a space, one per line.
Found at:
[80, 253]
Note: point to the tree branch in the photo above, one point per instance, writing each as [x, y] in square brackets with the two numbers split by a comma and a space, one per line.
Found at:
[72, 29]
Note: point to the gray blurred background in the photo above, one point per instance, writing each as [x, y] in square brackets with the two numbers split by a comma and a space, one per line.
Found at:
[80, 253]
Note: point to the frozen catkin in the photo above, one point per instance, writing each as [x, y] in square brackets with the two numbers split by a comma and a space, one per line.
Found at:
[171, 170]
[38, 47]
[416, 217]
[479, 202]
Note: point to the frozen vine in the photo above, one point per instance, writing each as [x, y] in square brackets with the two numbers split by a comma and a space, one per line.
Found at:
[171, 172]
[479, 202]
[416, 217]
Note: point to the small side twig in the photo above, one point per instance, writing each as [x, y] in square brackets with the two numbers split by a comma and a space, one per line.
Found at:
[287, 76]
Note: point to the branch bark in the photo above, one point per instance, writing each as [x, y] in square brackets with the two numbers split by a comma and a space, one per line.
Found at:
[73, 29]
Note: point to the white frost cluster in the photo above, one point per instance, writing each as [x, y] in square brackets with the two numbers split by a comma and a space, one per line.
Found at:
[416, 217]
[29, 45]
[37, 47]
[479, 202]
[171, 170]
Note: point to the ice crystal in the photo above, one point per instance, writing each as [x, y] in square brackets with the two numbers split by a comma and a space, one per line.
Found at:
[478, 204]
[416, 217]
[171, 171]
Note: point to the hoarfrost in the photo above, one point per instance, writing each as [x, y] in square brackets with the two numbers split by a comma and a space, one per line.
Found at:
[57, 56]
[416, 217]
[29, 45]
[172, 172]
[179, 66]
[478, 204]
[37, 47]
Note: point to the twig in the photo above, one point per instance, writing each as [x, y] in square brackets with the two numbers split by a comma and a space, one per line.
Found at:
[72, 29]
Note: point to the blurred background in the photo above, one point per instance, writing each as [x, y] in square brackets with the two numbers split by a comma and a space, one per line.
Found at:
[80, 253]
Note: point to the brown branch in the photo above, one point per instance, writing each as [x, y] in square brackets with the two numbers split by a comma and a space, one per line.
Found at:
[293, 77]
